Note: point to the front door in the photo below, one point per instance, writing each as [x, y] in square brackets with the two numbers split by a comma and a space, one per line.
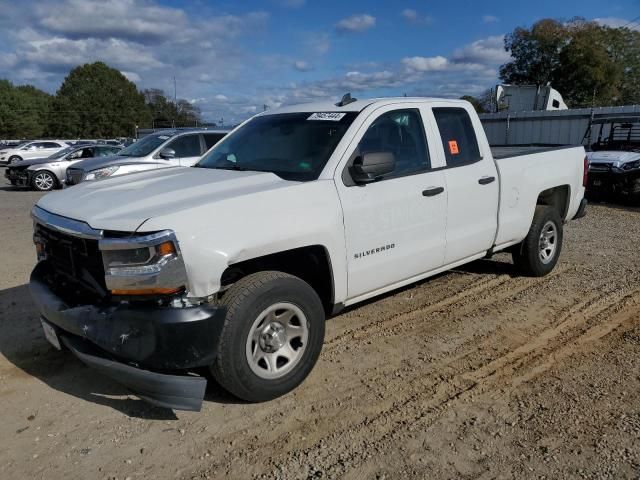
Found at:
[188, 150]
[395, 226]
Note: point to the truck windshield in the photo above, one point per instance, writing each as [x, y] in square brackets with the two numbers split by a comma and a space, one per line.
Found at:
[294, 146]
[145, 145]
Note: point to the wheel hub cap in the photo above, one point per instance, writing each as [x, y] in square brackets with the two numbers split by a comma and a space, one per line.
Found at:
[272, 337]
[277, 340]
[548, 242]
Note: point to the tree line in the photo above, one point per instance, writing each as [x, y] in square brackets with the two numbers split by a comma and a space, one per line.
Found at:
[94, 101]
[588, 63]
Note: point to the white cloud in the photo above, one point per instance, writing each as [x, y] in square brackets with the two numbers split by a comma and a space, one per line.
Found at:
[425, 64]
[488, 50]
[124, 19]
[356, 23]
[412, 16]
[614, 22]
[302, 66]
[490, 19]
[132, 76]
[221, 98]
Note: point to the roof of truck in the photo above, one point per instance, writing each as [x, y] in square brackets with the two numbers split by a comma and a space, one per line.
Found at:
[355, 106]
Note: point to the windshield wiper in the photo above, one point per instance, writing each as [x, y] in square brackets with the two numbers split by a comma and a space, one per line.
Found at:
[237, 168]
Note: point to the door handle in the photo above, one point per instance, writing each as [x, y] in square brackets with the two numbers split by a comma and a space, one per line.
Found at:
[432, 192]
[486, 180]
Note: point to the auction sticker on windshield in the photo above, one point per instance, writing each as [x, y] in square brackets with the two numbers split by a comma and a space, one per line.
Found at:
[331, 116]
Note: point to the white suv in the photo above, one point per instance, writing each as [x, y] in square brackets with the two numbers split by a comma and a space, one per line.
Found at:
[29, 150]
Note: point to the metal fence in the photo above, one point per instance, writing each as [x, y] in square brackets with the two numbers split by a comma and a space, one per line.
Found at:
[561, 127]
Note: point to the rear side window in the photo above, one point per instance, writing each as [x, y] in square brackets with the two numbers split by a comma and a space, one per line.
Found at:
[50, 145]
[186, 146]
[458, 136]
[210, 139]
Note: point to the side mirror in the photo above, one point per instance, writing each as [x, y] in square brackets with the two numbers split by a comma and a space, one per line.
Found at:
[167, 153]
[370, 166]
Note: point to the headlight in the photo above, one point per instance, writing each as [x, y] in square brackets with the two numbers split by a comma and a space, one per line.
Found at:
[143, 265]
[101, 173]
[631, 165]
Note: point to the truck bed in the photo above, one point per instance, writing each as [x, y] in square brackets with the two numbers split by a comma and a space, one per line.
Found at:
[500, 152]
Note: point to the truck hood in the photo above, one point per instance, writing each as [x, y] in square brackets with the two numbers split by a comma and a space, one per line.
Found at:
[91, 164]
[613, 157]
[124, 202]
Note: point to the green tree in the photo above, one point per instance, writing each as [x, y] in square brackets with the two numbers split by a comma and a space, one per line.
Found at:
[535, 53]
[97, 101]
[165, 113]
[23, 111]
[588, 63]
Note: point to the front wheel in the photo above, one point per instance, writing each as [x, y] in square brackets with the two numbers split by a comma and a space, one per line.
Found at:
[272, 336]
[43, 181]
[538, 253]
[14, 159]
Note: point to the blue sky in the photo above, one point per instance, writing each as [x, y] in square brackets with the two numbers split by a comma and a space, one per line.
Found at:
[232, 57]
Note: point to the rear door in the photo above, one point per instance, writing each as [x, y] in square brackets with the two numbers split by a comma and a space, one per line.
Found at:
[188, 149]
[394, 227]
[472, 185]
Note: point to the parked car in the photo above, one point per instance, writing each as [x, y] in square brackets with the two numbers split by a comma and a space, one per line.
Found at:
[614, 163]
[299, 212]
[48, 173]
[29, 150]
[170, 148]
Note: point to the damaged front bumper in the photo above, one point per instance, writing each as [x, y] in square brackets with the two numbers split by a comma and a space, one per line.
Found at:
[139, 346]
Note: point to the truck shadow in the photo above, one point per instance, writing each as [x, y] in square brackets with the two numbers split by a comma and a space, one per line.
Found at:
[23, 344]
[494, 266]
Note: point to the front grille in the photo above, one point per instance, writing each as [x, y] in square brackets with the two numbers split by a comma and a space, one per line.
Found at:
[600, 167]
[77, 261]
[74, 176]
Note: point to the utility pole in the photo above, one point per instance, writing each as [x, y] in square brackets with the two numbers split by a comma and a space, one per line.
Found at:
[175, 91]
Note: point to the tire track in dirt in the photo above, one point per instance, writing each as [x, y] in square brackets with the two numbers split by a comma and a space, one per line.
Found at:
[498, 289]
[374, 433]
[441, 387]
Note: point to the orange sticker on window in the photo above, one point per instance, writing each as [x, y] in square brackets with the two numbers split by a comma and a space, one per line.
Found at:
[453, 147]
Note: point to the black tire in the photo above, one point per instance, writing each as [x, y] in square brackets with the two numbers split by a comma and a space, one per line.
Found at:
[528, 256]
[44, 181]
[14, 159]
[245, 301]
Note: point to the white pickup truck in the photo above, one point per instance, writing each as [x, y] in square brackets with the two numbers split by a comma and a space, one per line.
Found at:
[234, 264]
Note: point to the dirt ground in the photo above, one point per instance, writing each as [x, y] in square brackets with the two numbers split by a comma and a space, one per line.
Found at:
[477, 373]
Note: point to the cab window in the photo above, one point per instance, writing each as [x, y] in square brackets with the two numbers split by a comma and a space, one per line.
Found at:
[186, 146]
[210, 139]
[400, 132]
[458, 136]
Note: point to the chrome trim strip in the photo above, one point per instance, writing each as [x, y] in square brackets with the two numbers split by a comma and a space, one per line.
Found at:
[65, 225]
[139, 241]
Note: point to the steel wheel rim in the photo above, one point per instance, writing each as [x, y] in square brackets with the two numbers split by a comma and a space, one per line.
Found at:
[548, 242]
[277, 340]
[44, 181]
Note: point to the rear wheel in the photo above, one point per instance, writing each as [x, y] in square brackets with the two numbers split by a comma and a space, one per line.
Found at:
[538, 253]
[43, 181]
[272, 336]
